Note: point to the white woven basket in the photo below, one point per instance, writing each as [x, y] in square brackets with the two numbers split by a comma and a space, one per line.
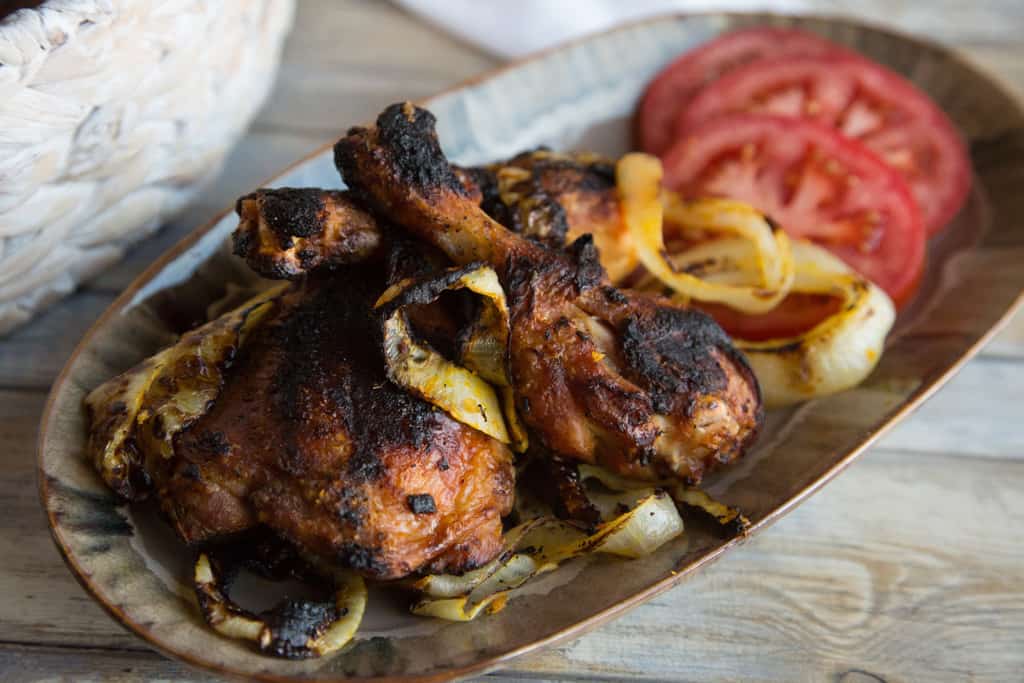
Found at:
[112, 115]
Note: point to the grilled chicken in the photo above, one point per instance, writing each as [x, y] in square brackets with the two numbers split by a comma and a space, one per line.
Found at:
[555, 198]
[287, 232]
[621, 379]
[309, 438]
[548, 197]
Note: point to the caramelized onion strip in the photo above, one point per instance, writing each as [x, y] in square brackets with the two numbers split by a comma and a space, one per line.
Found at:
[477, 392]
[645, 206]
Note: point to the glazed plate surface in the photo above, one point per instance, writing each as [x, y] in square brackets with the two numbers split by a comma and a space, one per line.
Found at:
[579, 96]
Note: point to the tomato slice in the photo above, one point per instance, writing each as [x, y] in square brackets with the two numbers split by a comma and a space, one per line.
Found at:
[815, 183]
[674, 85]
[796, 314]
[862, 100]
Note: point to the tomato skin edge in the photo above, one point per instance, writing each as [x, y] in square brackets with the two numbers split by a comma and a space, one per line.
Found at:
[708, 57]
[952, 188]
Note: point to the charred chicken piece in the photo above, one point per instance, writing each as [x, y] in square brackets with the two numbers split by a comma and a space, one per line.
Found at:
[620, 379]
[308, 437]
[548, 197]
[555, 198]
[557, 483]
[287, 232]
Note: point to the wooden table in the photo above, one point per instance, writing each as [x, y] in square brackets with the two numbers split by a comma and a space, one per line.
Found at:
[910, 566]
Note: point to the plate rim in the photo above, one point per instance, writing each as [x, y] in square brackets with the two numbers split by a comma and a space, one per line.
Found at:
[579, 628]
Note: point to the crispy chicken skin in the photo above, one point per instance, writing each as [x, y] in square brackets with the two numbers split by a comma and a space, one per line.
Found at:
[309, 438]
[555, 198]
[287, 232]
[625, 380]
[548, 197]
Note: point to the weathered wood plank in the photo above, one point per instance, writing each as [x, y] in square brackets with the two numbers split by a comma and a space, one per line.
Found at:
[907, 567]
[24, 663]
[345, 61]
[900, 551]
[33, 355]
[977, 413]
[44, 602]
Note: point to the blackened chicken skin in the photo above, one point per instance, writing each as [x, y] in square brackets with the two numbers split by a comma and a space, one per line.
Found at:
[551, 198]
[621, 379]
[556, 198]
[308, 438]
[287, 232]
[558, 484]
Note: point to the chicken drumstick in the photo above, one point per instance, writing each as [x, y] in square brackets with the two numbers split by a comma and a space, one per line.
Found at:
[621, 379]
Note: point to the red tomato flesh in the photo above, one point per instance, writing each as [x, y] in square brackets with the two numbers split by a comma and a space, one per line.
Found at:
[863, 101]
[796, 314]
[813, 182]
[672, 88]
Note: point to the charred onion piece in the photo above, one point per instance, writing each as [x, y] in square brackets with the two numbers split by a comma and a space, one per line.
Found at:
[141, 410]
[837, 353]
[294, 629]
[287, 232]
[692, 496]
[639, 183]
[467, 392]
[540, 545]
[833, 356]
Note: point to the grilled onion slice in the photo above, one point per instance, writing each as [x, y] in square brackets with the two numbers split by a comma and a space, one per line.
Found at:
[142, 409]
[291, 629]
[692, 496]
[540, 545]
[463, 391]
[833, 356]
[837, 353]
[638, 179]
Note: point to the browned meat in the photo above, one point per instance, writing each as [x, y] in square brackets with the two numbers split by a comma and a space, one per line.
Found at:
[625, 380]
[309, 438]
[549, 197]
[288, 232]
[557, 483]
[555, 198]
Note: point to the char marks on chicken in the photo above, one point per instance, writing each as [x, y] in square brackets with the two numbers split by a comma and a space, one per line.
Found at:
[624, 380]
[288, 232]
[279, 415]
[308, 438]
[555, 198]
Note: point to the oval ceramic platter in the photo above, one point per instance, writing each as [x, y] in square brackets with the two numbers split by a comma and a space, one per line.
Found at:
[578, 96]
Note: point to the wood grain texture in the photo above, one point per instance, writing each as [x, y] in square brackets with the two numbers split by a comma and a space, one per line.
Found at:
[907, 567]
[31, 357]
[98, 665]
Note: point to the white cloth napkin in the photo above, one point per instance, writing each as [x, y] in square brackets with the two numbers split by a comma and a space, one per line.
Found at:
[510, 28]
